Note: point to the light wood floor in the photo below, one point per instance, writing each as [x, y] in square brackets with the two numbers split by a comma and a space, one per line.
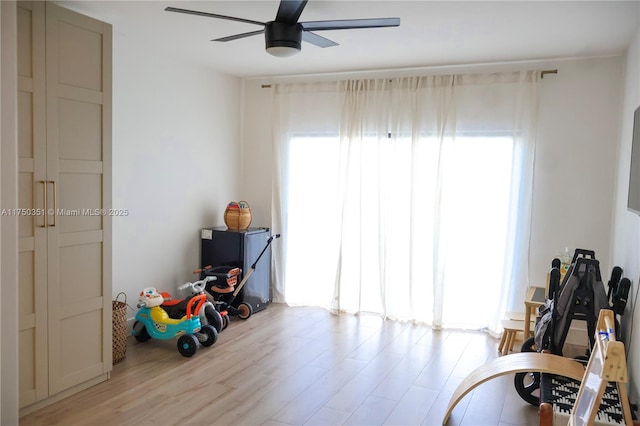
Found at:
[295, 366]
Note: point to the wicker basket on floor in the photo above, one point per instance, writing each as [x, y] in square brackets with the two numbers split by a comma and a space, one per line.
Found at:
[119, 320]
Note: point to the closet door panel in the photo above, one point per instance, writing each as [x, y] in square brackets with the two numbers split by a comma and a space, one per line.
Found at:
[80, 52]
[25, 118]
[81, 320]
[26, 291]
[32, 246]
[80, 194]
[27, 333]
[80, 130]
[27, 215]
[78, 135]
[80, 271]
[27, 366]
[82, 347]
[25, 16]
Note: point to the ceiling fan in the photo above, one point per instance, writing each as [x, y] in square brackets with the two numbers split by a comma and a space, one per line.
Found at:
[284, 35]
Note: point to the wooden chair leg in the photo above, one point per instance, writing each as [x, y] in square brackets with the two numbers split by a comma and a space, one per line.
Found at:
[545, 416]
[512, 338]
[503, 340]
[507, 334]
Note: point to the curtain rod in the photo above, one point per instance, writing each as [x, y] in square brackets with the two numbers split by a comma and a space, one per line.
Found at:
[542, 74]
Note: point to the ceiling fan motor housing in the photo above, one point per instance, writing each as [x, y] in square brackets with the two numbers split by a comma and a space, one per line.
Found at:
[281, 34]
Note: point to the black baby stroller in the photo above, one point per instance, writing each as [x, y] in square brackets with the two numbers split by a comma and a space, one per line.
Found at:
[580, 296]
[225, 289]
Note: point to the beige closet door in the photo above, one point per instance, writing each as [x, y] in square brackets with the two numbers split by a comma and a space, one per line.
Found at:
[32, 243]
[64, 187]
[78, 110]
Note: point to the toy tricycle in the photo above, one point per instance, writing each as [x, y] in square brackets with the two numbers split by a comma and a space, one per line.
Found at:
[153, 321]
[177, 308]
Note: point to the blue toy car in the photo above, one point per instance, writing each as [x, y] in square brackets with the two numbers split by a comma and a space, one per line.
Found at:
[153, 322]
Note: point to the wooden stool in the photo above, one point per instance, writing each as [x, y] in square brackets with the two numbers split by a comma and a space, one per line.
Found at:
[511, 329]
[516, 316]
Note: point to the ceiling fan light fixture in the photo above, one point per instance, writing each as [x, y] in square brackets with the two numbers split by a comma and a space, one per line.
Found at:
[283, 51]
[283, 39]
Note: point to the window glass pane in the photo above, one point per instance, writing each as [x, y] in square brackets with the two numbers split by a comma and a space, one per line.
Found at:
[406, 203]
[312, 219]
[475, 217]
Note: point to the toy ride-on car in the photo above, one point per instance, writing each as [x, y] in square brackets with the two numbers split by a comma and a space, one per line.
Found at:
[153, 322]
[177, 308]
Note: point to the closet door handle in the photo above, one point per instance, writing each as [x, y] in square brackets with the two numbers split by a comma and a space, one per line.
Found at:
[44, 202]
[55, 202]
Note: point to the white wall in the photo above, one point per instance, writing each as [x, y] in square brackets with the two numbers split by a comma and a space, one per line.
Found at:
[176, 158]
[576, 162]
[625, 247]
[256, 152]
[575, 159]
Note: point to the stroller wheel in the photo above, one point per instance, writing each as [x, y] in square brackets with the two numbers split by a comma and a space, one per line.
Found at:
[187, 345]
[528, 387]
[528, 384]
[140, 332]
[207, 335]
[225, 320]
[213, 317]
[529, 345]
[245, 311]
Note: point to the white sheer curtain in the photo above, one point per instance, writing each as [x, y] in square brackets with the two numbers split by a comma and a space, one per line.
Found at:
[410, 197]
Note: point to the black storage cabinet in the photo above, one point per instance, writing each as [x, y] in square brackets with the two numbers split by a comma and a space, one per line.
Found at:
[225, 247]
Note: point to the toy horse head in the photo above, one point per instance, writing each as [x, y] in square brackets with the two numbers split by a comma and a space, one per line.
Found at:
[150, 297]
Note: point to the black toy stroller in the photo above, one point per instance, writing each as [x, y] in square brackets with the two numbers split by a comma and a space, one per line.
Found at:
[225, 288]
[580, 296]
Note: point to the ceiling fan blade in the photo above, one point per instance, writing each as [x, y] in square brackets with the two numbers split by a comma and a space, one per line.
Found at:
[238, 36]
[319, 41]
[213, 15]
[289, 11]
[347, 24]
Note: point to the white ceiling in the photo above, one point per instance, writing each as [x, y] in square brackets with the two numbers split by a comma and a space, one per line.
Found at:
[431, 33]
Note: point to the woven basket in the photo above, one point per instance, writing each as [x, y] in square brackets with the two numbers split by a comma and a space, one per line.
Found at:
[119, 320]
[238, 219]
